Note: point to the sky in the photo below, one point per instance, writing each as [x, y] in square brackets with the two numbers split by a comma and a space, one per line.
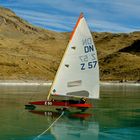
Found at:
[61, 15]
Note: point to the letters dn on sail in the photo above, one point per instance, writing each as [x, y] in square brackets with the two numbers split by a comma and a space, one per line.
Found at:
[88, 46]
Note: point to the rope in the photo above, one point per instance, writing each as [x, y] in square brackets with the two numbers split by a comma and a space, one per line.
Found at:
[37, 137]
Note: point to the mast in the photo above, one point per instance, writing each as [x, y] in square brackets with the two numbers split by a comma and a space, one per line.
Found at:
[80, 17]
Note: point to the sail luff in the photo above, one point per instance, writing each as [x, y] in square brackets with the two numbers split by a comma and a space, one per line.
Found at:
[80, 17]
[72, 34]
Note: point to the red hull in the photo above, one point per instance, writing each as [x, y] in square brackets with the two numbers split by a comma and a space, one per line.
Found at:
[61, 103]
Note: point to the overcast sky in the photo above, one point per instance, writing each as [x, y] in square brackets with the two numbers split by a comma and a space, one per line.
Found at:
[61, 15]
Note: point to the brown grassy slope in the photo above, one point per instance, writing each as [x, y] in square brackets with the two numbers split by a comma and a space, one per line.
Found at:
[119, 56]
[28, 52]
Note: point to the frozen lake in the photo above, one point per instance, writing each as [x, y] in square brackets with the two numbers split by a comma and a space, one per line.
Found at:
[116, 115]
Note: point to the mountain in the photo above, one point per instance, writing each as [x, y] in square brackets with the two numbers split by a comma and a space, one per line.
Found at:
[119, 55]
[28, 52]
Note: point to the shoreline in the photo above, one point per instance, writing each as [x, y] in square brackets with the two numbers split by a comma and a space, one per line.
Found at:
[25, 83]
[49, 83]
[117, 83]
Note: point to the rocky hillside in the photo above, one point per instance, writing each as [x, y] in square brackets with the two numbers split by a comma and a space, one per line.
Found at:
[29, 52]
[119, 55]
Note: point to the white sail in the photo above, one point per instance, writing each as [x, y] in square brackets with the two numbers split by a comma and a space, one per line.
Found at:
[78, 73]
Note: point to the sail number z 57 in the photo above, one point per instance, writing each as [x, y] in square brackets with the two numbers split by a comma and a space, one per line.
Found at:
[88, 65]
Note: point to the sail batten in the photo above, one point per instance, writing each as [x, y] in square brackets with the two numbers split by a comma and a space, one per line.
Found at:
[78, 73]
